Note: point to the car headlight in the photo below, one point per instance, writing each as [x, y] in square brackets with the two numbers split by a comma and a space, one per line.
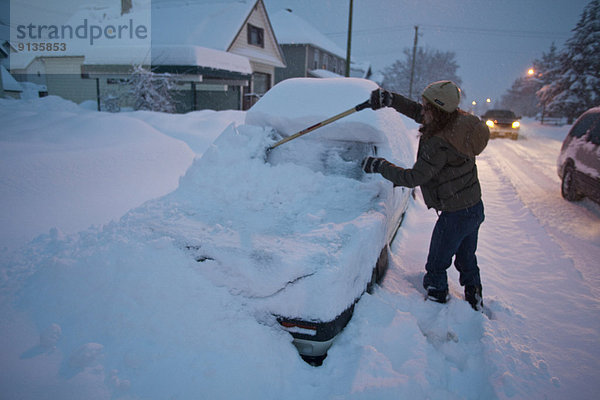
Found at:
[489, 123]
[516, 124]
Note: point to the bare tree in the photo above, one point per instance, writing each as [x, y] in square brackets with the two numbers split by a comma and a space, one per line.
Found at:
[152, 91]
[430, 66]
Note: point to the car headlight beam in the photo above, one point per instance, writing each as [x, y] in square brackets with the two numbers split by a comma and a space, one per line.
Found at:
[516, 124]
[489, 123]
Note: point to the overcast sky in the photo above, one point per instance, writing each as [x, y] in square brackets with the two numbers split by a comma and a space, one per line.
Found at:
[495, 41]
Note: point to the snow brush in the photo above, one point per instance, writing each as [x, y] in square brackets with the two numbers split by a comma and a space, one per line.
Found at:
[328, 121]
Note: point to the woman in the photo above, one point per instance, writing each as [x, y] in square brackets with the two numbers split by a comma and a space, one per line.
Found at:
[447, 174]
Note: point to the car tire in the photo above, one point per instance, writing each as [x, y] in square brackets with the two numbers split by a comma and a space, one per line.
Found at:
[378, 273]
[568, 190]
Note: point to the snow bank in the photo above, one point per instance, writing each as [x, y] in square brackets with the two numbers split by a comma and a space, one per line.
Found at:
[174, 299]
[257, 238]
[87, 167]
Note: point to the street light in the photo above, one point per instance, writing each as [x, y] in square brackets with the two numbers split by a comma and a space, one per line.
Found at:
[535, 77]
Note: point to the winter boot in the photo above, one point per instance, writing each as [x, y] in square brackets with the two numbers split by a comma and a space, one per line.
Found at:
[474, 297]
[439, 296]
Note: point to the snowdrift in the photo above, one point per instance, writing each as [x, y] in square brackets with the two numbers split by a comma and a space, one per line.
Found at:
[149, 306]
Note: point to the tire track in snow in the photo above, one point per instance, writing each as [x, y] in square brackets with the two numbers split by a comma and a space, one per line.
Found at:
[530, 167]
[532, 261]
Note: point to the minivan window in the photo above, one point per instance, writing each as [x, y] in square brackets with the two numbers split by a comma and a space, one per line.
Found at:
[584, 124]
[595, 133]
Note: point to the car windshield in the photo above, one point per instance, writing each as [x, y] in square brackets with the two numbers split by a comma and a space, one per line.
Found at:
[330, 157]
[500, 114]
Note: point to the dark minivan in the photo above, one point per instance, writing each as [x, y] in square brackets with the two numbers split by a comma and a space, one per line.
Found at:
[579, 159]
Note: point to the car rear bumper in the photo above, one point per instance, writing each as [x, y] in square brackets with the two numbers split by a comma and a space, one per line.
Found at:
[314, 338]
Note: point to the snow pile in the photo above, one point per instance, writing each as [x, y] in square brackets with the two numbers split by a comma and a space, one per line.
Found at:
[87, 167]
[175, 299]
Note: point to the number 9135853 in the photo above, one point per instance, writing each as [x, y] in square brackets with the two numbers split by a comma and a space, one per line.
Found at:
[42, 46]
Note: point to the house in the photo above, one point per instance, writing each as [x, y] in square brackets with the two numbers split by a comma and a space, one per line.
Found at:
[59, 70]
[203, 78]
[222, 55]
[241, 28]
[308, 52]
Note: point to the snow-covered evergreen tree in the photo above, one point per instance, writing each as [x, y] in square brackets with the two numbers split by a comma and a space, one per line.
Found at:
[521, 97]
[430, 66]
[577, 84]
[152, 91]
[548, 70]
[528, 95]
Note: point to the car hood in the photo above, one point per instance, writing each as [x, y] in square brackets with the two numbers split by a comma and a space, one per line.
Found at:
[293, 239]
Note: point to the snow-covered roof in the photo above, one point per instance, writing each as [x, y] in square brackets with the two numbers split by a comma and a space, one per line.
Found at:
[200, 56]
[291, 29]
[323, 73]
[208, 24]
[8, 82]
[162, 55]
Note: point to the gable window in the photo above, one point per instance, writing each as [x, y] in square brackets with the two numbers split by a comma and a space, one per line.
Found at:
[256, 36]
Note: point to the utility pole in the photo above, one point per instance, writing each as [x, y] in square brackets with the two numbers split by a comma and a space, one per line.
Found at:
[412, 68]
[349, 44]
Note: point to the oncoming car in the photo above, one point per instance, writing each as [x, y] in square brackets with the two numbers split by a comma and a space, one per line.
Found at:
[579, 159]
[502, 123]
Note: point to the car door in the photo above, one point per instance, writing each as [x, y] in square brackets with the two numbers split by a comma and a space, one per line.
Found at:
[587, 155]
[592, 160]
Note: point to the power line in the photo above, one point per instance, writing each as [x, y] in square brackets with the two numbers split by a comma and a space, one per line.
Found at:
[498, 32]
[462, 30]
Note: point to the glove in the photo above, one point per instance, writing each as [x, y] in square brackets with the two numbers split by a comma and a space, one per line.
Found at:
[371, 164]
[380, 98]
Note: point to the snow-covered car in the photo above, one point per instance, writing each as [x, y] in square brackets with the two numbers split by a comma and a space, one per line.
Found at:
[579, 158]
[303, 232]
[502, 123]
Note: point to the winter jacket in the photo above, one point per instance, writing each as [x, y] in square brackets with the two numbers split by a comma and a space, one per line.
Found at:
[445, 168]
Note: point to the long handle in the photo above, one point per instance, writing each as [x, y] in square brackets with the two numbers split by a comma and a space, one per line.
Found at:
[354, 109]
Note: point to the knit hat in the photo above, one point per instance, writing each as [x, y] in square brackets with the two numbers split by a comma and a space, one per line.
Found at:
[443, 94]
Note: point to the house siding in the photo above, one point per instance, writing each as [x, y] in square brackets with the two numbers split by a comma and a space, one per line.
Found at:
[217, 100]
[296, 58]
[302, 58]
[262, 59]
[63, 78]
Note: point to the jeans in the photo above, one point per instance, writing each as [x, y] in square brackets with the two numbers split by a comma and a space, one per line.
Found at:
[455, 234]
